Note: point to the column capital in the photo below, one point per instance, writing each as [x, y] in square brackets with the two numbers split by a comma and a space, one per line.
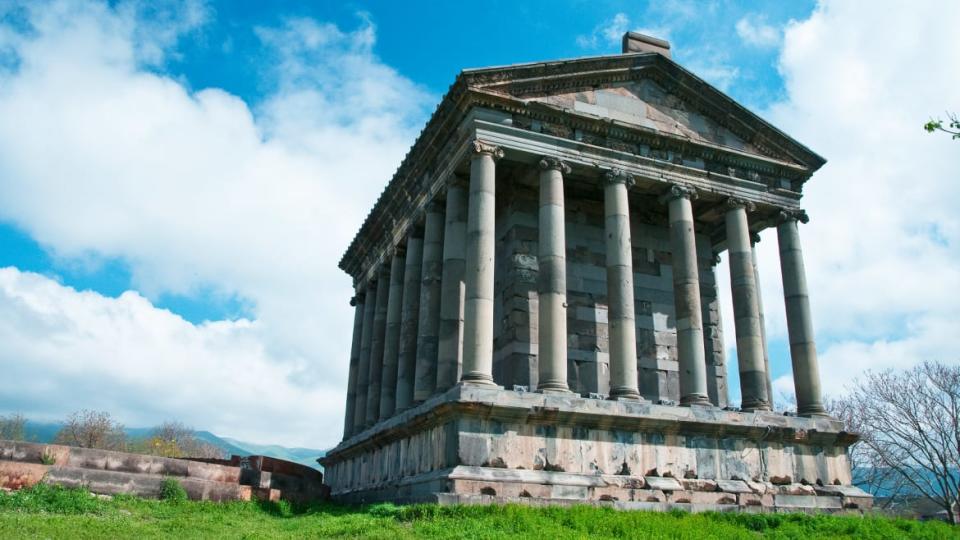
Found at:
[679, 191]
[619, 176]
[456, 181]
[399, 251]
[792, 214]
[548, 163]
[754, 238]
[433, 207]
[479, 147]
[358, 299]
[734, 203]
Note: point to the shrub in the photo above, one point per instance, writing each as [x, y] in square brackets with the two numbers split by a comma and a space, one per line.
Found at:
[171, 490]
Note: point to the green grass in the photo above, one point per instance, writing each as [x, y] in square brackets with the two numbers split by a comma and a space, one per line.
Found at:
[52, 512]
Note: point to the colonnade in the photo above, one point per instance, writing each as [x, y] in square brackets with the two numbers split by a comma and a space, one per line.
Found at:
[425, 321]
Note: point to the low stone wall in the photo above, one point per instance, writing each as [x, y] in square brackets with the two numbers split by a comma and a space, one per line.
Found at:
[24, 464]
[471, 443]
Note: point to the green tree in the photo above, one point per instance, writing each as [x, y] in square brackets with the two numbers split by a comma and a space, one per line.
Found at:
[951, 126]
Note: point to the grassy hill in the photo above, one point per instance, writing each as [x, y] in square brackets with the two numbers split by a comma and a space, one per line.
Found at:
[45, 433]
[47, 512]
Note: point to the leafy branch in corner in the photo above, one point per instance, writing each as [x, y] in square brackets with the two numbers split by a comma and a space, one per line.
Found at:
[952, 125]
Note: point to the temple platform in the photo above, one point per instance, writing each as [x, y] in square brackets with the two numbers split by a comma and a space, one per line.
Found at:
[476, 444]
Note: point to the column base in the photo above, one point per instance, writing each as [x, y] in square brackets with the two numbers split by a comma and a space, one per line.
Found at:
[553, 387]
[814, 411]
[629, 394]
[695, 400]
[478, 380]
[755, 406]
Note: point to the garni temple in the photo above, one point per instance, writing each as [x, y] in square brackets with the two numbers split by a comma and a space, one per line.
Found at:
[537, 315]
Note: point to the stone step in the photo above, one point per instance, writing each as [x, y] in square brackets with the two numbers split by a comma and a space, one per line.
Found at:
[106, 482]
[107, 460]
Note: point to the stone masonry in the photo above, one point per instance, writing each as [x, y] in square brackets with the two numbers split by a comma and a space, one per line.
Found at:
[537, 315]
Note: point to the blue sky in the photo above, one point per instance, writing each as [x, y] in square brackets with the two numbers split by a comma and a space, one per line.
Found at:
[179, 178]
[429, 44]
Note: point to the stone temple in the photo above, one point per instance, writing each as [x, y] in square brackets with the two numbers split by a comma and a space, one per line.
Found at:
[536, 310]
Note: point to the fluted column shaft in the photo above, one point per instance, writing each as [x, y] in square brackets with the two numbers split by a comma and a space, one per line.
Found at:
[478, 272]
[450, 349]
[803, 350]
[363, 366]
[552, 279]
[357, 303]
[429, 323]
[753, 385]
[391, 347]
[621, 317]
[686, 294]
[377, 346]
[407, 358]
[754, 238]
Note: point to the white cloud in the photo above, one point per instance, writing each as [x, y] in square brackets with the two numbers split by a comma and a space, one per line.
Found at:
[65, 350]
[102, 157]
[882, 249]
[608, 33]
[754, 31]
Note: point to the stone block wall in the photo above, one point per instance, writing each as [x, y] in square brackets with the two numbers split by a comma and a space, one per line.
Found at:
[491, 445]
[516, 307]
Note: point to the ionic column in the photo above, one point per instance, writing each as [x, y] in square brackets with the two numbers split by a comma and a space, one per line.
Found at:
[803, 350]
[754, 239]
[377, 345]
[429, 320]
[363, 367]
[753, 385]
[357, 303]
[478, 273]
[686, 297]
[621, 318]
[450, 349]
[407, 361]
[552, 279]
[391, 347]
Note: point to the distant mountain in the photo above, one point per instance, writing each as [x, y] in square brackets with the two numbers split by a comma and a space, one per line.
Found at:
[46, 432]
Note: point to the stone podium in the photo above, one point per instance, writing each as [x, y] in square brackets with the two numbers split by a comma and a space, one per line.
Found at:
[536, 309]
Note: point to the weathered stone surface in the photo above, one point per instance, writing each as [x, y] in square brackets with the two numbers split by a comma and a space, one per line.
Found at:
[530, 445]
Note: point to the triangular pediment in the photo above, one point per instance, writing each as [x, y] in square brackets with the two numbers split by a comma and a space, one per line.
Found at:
[645, 104]
[650, 92]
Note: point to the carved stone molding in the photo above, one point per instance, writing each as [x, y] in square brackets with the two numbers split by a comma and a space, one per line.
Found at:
[548, 163]
[754, 238]
[790, 214]
[358, 299]
[480, 147]
[734, 203]
[678, 191]
[619, 176]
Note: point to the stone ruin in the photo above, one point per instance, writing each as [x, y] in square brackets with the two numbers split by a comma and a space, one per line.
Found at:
[536, 309]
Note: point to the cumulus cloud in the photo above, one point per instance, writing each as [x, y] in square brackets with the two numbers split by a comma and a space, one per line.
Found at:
[883, 244]
[608, 32]
[755, 31]
[65, 350]
[103, 157]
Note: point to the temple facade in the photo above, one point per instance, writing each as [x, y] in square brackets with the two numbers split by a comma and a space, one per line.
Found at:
[536, 309]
